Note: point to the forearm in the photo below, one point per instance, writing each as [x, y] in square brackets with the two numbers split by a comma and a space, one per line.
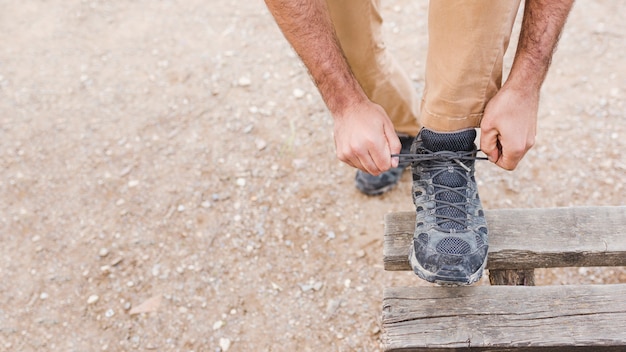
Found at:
[509, 124]
[307, 26]
[542, 24]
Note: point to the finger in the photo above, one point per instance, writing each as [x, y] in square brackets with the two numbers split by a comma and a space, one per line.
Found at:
[382, 158]
[508, 163]
[369, 165]
[348, 158]
[359, 157]
[380, 155]
[490, 145]
[394, 145]
[510, 158]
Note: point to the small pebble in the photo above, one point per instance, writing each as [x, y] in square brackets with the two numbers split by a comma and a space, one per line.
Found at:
[318, 286]
[298, 93]
[225, 344]
[241, 182]
[244, 81]
[299, 164]
[109, 313]
[43, 296]
[260, 144]
[92, 299]
[103, 252]
[218, 325]
[248, 129]
[615, 93]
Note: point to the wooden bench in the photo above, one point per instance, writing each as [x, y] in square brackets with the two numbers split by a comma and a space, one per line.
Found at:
[510, 317]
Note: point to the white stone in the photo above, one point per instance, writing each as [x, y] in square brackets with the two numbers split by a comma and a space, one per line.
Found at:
[218, 325]
[260, 144]
[225, 344]
[298, 93]
[244, 81]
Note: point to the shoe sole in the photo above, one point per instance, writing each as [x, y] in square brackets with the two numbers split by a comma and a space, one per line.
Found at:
[379, 191]
[444, 280]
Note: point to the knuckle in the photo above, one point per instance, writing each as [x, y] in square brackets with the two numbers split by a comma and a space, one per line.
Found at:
[508, 166]
[342, 156]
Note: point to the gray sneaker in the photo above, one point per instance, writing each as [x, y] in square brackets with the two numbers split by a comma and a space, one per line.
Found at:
[377, 185]
[450, 239]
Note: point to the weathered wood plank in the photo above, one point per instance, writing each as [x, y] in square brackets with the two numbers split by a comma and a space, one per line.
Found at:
[505, 318]
[531, 238]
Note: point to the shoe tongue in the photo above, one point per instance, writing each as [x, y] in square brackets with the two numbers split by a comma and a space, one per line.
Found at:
[450, 141]
[456, 141]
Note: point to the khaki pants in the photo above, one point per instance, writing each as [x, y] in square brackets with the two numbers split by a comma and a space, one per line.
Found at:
[467, 42]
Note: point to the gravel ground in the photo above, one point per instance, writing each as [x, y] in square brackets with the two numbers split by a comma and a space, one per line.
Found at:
[168, 179]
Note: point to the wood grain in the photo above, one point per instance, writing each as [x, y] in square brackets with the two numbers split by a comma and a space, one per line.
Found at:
[505, 318]
[531, 238]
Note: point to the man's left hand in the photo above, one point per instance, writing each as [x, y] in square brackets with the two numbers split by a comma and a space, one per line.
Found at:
[509, 126]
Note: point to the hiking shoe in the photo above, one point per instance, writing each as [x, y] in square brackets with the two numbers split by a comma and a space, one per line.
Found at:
[450, 238]
[377, 185]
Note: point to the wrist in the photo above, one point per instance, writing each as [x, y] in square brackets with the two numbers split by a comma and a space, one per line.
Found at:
[343, 96]
[524, 85]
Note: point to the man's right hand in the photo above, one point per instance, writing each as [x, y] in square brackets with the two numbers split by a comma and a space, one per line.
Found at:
[365, 138]
[364, 135]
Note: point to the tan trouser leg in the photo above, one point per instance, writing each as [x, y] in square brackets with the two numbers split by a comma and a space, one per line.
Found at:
[359, 27]
[467, 41]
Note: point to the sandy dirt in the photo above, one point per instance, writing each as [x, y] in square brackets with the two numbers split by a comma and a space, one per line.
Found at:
[168, 179]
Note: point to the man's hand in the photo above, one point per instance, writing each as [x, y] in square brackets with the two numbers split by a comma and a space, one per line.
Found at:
[509, 127]
[509, 122]
[364, 135]
[365, 138]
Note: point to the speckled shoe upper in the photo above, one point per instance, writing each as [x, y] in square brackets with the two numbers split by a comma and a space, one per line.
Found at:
[451, 238]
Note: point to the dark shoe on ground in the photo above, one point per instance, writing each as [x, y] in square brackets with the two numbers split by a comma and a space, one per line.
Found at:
[377, 185]
[450, 239]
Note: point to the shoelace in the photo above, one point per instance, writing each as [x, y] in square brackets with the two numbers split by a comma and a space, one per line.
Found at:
[443, 156]
[439, 162]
